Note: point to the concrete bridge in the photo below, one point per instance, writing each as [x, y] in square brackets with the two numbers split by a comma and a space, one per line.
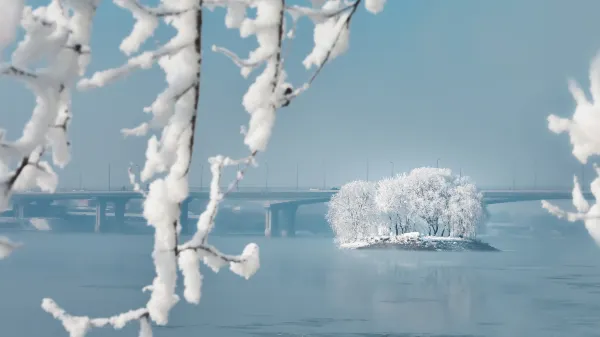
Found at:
[280, 205]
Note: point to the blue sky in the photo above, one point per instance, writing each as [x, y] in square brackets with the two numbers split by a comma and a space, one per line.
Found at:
[467, 81]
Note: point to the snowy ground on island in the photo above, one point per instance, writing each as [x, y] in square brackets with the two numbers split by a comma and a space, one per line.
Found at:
[417, 241]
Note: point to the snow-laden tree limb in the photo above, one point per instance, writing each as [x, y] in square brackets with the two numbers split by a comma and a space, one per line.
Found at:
[589, 214]
[584, 133]
[58, 35]
[174, 116]
[78, 326]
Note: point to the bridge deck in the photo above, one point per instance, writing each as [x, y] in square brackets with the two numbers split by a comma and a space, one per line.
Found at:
[288, 197]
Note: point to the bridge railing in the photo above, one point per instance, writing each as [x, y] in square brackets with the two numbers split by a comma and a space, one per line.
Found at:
[201, 189]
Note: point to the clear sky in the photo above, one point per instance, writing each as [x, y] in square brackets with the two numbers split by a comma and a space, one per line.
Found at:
[467, 81]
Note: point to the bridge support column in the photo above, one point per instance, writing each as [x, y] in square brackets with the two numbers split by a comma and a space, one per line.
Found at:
[19, 211]
[184, 220]
[289, 214]
[120, 207]
[272, 222]
[100, 215]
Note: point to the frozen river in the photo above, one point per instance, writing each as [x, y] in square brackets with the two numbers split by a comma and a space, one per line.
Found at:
[307, 287]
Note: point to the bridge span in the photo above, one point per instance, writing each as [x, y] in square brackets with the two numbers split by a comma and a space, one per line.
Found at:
[277, 203]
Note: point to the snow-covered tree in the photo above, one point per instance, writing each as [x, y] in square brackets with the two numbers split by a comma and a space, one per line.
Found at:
[429, 191]
[448, 206]
[53, 53]
[392, 202]
[464, 211]
[584, 132]
[451, 205]
[60, 33]
[352, 213]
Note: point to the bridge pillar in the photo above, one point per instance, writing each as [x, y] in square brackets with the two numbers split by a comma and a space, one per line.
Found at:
[19, 211]
[120, 207]
[184, 220]
[289, 214]
[100, 215]
[272, 222]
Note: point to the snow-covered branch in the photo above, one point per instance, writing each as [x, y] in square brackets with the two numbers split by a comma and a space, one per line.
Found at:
[57, 34]
[174, 116]
[584, 133]
[78, 326]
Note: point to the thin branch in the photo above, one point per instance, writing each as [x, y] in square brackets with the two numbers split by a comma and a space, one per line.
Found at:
[208, 249]
[320, 14]
[237, 60]
[145, 60]
[14, 71]
[346, 25]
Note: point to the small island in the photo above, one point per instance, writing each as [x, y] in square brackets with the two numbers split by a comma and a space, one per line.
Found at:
[428, 209]
[418, 242]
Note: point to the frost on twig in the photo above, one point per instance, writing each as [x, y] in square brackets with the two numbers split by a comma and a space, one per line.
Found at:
[584, 132]
[78, 326]
[173, 124]
[56, 35]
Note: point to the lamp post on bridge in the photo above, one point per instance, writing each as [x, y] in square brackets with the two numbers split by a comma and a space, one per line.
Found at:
[109, 176]
[534, 175]
[324, 175]
[437, 163]
[514, 177]
[267, 176]
[297, 175]
[201, 175]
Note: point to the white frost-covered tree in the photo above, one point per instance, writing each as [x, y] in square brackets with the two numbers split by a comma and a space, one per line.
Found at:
[464, 211]
[448, 206]
[352, 213]
[584, 132]
[391, 200]
[53, 53]
[173, 123]
[429, 190]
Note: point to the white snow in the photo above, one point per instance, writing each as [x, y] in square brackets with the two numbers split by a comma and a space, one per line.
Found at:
[414, 237]
[426, 200]
[583, 129]
[375, 6]
[331, 37]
